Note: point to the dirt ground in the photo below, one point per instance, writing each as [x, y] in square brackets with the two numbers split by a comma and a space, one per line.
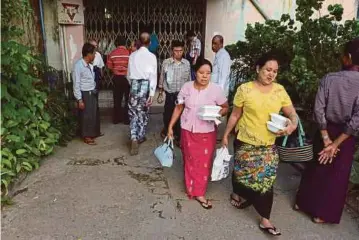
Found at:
[100, 192]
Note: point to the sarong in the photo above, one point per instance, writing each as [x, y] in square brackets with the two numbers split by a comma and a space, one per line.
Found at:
[138, 111]
[254, 174]
[197, 151]
[323, 188]
[90, 117]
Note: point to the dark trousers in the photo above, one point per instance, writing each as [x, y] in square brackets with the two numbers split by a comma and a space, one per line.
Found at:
[170, 105]
[121, 88]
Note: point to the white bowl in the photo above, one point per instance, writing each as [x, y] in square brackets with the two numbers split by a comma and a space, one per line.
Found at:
[274, 128]
[279, 119]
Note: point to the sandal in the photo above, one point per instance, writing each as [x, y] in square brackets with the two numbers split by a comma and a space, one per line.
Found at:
[295, 207]
[205, 205]
[317, 220]
[89, 141]
[239, 204]
[270, 230]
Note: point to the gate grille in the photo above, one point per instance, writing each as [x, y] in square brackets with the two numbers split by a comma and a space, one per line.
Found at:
[170, 20]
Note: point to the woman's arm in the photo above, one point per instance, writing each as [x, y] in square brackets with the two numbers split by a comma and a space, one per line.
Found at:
[224, 109]
[233, 119]
[290, 113]
[175, 116]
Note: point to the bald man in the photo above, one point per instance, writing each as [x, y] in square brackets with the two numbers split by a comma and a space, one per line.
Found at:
[142, 75]
[221, 72]
[221, 64]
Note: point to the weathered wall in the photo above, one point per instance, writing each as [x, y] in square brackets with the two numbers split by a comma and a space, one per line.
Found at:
[63, 42]
[230, 17]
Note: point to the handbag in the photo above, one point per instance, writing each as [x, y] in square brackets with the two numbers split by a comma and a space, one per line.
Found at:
[296, 148]
[164, 153]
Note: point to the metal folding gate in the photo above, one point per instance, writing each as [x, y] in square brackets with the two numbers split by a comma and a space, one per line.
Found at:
[170, 20]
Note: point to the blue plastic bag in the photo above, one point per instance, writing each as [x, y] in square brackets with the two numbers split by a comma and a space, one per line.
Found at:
[164, 153]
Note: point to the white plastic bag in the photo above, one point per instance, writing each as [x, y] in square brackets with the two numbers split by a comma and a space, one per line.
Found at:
[220, 169]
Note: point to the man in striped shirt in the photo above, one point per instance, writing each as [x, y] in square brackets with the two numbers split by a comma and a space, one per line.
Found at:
[117, 62]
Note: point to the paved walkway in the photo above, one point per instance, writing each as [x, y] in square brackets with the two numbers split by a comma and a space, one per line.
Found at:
[100, 192]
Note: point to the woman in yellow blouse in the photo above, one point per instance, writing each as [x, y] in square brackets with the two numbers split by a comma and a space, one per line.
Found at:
[256, 158]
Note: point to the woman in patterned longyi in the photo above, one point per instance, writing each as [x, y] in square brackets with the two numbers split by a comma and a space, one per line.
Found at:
[256, 158]
[198, 137]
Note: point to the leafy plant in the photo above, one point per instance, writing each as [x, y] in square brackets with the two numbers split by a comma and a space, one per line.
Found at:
[308, 48]
[33, 115]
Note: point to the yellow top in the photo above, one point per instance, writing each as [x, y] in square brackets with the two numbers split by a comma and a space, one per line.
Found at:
[257, 107]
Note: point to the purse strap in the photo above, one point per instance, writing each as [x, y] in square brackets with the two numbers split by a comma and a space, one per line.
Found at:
[301, 135]
[169, 141]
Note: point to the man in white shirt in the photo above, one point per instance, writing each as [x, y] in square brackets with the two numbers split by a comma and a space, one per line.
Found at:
[221, 64]
[98, 64]
[142, 75]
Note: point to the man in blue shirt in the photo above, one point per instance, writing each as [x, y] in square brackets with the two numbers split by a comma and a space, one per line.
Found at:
[85, 92]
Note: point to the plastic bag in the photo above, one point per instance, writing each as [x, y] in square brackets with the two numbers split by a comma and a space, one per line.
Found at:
[220, 169]
[164, 153]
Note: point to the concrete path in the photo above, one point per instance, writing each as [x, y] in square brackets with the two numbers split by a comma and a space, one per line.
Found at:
[100, 192]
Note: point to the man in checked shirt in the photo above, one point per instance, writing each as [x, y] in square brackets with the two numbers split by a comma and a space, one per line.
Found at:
[174, 73]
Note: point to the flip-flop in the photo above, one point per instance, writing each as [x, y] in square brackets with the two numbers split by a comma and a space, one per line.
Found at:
[239, 204]
[295, 207]
[205, 204]
[270, 230]
[317, 220]
[89, 141]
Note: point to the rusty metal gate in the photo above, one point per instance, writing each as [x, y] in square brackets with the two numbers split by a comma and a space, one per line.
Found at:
[169, 19]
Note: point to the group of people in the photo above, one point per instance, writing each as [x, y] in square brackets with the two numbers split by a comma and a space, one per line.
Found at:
[192, 82]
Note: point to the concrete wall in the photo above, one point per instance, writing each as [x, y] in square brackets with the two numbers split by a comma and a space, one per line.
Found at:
[230, 17]
[64, 42]
[52, 34]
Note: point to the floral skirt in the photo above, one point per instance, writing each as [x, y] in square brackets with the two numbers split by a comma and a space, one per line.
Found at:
[254, 174]
[255, 167]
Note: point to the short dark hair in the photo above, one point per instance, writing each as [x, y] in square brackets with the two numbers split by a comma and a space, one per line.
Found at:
[190, 33]
[87, 49]
[200, 62]
[219, 37]
[177, 43]
[352, 48]
[120, 41]
[269, 56]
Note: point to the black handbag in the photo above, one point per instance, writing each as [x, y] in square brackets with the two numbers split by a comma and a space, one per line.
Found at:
[296, 148]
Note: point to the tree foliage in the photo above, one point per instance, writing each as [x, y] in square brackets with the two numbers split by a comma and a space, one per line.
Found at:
[309, 47]
[34, 117]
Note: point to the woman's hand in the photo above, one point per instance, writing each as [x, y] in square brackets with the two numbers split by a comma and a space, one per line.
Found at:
[328, 153]
[224, 142]
[288, 130]
[170, 133]
[327, 142]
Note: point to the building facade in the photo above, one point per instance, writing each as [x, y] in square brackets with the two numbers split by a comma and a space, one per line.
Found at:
[103, 20]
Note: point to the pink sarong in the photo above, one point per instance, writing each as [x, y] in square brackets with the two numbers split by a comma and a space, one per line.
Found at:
[197, 152]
